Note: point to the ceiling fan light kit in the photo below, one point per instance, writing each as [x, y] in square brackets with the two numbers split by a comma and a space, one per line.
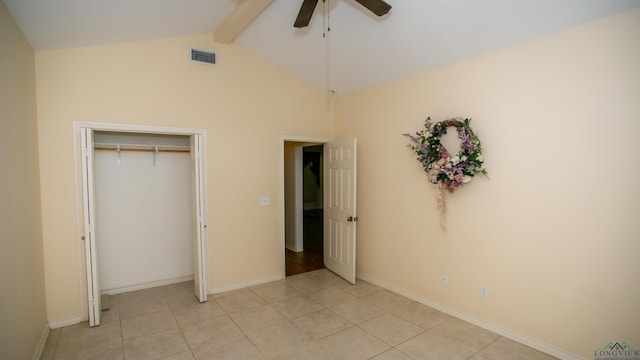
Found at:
[378, 7]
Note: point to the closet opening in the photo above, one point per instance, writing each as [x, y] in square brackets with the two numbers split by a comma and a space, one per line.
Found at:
[143, 209]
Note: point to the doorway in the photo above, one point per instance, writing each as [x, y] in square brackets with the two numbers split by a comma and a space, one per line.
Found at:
[86, 169]
[339, 168]
[306, 253]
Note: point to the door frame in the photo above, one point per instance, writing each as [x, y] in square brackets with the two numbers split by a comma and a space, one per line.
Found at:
[304, 141]
[129, 128]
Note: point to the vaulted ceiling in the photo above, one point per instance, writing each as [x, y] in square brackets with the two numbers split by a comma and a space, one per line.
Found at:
[361, 49]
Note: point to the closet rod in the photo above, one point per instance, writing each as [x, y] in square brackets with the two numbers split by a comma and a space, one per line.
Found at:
[147, 148]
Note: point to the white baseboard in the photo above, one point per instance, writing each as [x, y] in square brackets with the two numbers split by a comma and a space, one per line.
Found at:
[146, 285]
[293, 248]
[65, 322]
[41, 342]
[244, 285]
[507, 333]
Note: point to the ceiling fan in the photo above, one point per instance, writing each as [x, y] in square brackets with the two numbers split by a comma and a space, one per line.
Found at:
[377, 7]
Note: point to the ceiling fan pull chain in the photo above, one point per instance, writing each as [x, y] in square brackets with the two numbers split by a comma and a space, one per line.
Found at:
[324, 18]
[328, 15]
[327, 26]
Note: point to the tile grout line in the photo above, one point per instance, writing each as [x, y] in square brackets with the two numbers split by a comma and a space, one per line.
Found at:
[121, 334]
[184, 337]
[243, 332]
[486, 346]
[238, 326]
[55, 347]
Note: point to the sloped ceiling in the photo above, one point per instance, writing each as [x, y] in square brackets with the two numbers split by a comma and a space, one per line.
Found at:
[361, 49]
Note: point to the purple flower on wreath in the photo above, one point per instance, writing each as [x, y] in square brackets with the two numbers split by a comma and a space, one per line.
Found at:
[465, 138]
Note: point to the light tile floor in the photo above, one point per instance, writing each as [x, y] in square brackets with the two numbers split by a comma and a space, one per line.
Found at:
[315, 315]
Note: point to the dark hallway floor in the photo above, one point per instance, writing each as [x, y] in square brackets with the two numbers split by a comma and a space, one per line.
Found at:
[303, 261]
[311, 258]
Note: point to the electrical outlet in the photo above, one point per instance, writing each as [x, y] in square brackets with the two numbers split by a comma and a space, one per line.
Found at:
[484, 291]
[444, 279]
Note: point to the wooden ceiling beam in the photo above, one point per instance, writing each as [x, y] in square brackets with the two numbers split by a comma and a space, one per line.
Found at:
[244, 13]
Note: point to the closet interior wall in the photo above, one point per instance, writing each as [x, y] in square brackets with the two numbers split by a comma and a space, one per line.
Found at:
[144, 210]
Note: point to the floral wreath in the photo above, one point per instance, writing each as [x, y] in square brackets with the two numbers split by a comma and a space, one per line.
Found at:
[446, 171]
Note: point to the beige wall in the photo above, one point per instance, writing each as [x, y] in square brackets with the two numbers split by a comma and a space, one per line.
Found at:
[244, 102]
[554, 232]
[22, 303]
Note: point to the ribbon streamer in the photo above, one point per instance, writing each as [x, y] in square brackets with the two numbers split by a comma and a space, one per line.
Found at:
[442, 206]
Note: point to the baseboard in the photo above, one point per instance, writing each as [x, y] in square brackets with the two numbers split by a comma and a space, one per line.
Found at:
[244, 285]
[146, 285]
[294, 249]
[41, 342]
[65, 322]
[502, 331]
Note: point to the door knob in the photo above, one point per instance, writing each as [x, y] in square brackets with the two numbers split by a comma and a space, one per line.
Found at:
[352, 219]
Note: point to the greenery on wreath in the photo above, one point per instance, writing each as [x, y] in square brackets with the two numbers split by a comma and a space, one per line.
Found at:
[444, 170]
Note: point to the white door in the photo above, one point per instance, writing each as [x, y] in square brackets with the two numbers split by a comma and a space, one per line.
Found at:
[340, 208]
[199, 233]
[88, 193]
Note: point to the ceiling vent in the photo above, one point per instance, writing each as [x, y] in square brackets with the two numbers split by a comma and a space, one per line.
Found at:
[202, 56]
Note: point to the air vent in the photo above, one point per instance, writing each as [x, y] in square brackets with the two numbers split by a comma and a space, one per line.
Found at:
[202, 56]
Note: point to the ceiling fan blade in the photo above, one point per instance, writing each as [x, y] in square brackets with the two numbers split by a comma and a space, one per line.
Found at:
[377, 7]
[304, 16]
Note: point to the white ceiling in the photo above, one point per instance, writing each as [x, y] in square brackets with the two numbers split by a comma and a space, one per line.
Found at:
[363, 50]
